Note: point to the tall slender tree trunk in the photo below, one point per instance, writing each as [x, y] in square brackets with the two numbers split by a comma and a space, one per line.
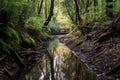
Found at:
[46, 10]
[109, 7]
[40, 8]
[4, 18]
[95, 9]
[50, 15]
[68, 11]
[78, 17]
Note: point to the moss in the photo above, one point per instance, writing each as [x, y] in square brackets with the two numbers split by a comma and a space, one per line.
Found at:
[34, 23]
[9, 37]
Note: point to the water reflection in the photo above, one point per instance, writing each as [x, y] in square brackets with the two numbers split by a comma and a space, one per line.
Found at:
[60, 64]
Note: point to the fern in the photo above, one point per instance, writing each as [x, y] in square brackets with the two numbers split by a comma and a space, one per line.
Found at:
[53, 26]
[28, 39]
[34, 23]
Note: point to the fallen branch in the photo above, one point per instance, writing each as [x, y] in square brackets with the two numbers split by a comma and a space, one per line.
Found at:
[117, 18]
[79, 43]
[2, 58]
[18, 58]
[8, 74]
[31, 52]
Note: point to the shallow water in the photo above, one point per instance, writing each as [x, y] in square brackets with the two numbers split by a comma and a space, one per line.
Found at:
[60, 64]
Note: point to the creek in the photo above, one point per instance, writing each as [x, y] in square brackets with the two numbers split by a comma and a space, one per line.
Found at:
[59, 63]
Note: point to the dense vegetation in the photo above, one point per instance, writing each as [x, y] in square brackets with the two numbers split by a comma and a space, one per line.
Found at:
[21, 23]
[86, 11]
[25, 25]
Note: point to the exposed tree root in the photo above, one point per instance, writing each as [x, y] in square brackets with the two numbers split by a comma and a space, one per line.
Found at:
[2, 58]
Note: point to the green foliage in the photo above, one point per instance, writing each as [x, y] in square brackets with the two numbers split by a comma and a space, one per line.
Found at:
[9, 34]
[14, 9]
[5, 46]
[34, 23]
[116, 5]
[9, 38]
[18, 11]
[21, 14]
[53, 46]
[30, 40]
[91, 10]
[45, 35]
[53, 26]
[27, 40]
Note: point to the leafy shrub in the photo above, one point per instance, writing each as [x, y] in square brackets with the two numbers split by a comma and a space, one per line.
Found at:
[34, 23]
[53, 26]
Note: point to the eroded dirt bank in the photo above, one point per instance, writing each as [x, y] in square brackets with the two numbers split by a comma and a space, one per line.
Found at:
[100, 51]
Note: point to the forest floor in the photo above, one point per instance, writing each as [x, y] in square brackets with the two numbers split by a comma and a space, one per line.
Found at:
[99, 51]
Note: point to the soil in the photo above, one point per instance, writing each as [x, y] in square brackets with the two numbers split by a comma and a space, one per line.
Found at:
[100, 51]
[102, 56]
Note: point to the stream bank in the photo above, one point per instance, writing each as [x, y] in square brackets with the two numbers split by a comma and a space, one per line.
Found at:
[99, 48]
[101, 56]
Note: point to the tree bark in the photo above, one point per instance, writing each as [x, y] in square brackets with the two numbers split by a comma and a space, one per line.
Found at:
[50, 15]
[95, 9]
[68, 11]
[109, 8]
[78, 17]
[46, 10]
[40, 8]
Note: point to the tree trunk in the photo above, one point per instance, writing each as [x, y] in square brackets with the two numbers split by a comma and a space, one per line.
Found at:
[68, 11]
[78, 17]
[50, 15]
[46, 10]
[4, 18]
[95, 9]
[109, 8]
[40, 8]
